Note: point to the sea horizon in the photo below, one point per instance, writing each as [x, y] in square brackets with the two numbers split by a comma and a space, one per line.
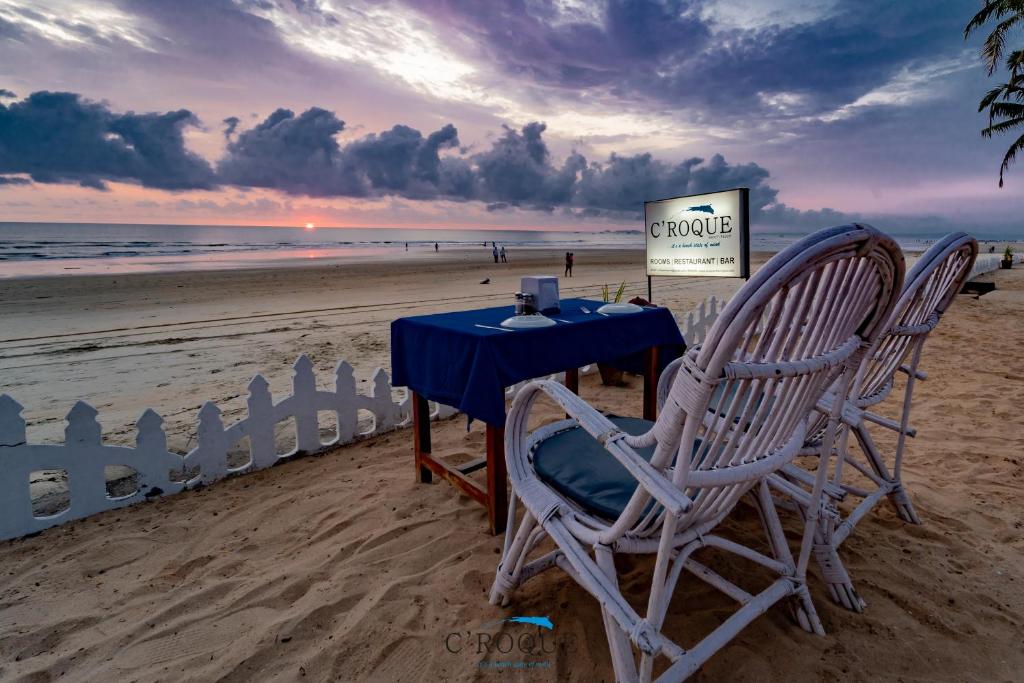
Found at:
[39, 249]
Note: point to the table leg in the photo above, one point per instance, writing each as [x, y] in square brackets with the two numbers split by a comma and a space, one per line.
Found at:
[651, 384]
[421, 436]
[572, 380]
[497, 491]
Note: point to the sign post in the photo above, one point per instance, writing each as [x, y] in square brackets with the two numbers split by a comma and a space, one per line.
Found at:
[701, 235]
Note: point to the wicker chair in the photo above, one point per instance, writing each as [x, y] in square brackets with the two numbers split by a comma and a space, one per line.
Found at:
[738, 410]
[930, 288]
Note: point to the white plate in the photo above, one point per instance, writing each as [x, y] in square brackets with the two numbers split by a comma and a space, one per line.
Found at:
[526, 322]
[613, 309]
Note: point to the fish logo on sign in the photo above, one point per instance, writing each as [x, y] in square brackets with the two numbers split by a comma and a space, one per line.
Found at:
[703, 208]
[543, 622]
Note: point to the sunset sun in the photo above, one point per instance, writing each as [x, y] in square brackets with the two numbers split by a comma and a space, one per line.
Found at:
[310, 226]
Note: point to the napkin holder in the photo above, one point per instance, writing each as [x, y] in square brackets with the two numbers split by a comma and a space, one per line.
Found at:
[544, 289]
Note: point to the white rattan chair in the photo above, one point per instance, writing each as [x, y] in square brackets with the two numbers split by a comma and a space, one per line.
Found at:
[737, 411]
[930, 288]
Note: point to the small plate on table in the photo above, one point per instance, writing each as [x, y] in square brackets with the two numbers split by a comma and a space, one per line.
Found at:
[617, 309]
[527, 322]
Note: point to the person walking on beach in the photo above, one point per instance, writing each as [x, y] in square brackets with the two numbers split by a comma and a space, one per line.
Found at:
[435, 247]
[504, 258]
[494, 250]
[568, 263]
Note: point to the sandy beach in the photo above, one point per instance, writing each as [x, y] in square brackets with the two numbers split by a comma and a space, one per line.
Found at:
[341, 567]
[172, 340]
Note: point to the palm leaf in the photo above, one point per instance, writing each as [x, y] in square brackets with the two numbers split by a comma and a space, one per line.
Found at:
[991, 96]
[982, 17]
[1015, 62]
[992, 48]
[1006, 109]
[1011, 154]
[1002, 126]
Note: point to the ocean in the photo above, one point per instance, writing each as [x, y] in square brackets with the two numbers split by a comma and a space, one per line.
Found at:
[41, 249]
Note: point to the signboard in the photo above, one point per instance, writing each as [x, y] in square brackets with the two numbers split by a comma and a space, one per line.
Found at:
[701, 235]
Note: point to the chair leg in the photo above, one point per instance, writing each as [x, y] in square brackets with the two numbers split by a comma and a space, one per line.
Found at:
[506, 579]
[901, 501]
[621, 649]
[804, 612]
[841, 587]
[897, 495]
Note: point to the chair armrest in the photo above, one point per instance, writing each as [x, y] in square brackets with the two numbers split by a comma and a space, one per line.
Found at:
[668, 375]
[610, 437]
[917, 374]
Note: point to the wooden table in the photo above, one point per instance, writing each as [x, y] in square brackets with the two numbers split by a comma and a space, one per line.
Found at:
[495, 496]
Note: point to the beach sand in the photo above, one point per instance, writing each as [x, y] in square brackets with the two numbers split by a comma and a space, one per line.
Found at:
[341, 567]
[172, 340]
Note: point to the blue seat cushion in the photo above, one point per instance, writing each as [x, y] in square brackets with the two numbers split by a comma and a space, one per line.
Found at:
[577, 466]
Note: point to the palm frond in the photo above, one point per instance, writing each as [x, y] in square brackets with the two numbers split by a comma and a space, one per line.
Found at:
[1006, 109]
[982, 17]
[992, 48]
[1002, 126]
[1015, 62]
[1011, 154]
[991, 96]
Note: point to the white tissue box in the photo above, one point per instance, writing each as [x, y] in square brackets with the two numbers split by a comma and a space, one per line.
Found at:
[545, 291]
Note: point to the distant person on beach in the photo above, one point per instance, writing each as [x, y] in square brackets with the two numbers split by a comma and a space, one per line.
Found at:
[435, 246]
[494, 250]
[504, 258]
[568, 263]
[407, 246]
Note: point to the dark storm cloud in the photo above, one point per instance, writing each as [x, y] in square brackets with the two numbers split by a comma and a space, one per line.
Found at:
[59, 137]
[667, 54]
[6, 93]
[295, 154]
[300, 155]
[13, 180]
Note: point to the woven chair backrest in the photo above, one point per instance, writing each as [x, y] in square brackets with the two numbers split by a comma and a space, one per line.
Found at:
[931, 286]
[744, 397]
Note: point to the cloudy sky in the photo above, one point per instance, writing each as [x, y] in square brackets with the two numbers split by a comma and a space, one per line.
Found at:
[528, 113]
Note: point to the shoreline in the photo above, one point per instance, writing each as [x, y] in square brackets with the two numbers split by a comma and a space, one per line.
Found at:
[296, 255]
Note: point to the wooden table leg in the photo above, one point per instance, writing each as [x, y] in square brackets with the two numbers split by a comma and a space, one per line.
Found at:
[421, 436]
[651, 384]
[572, 380]
[497, 476]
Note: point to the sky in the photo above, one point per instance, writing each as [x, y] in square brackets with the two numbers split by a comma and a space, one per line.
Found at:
[558, 114]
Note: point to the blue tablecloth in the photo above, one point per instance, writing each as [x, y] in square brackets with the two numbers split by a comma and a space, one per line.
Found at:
[446, 358]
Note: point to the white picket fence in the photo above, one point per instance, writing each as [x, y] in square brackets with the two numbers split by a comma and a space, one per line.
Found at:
[986, 263]
[696, 324]
[83, 458]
